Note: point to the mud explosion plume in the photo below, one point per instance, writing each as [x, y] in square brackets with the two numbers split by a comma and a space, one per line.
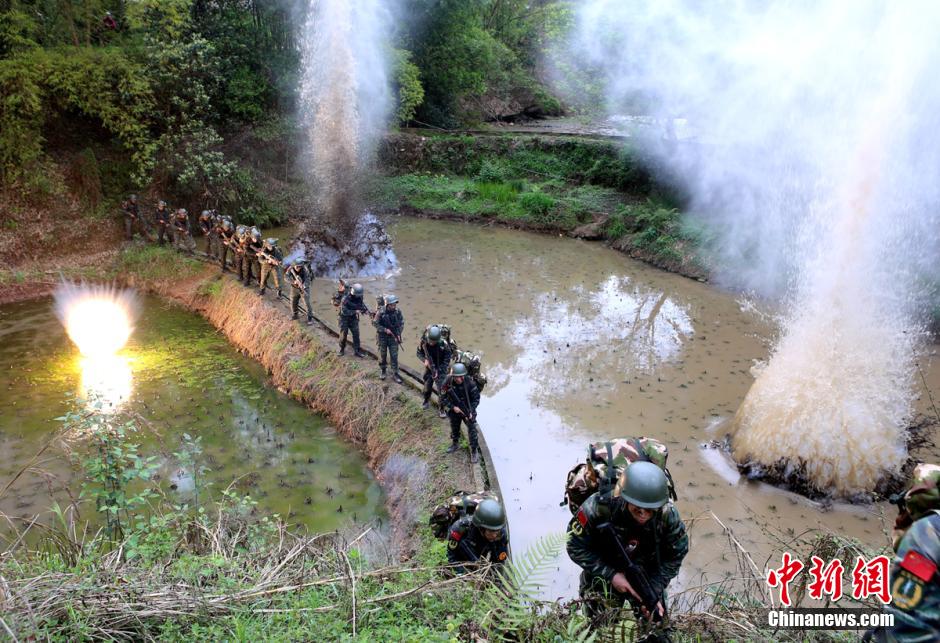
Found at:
[812, 162]
[345, 101]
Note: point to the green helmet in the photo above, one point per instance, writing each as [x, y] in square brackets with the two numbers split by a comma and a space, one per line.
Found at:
[255, 233]
[241, 230]
[357, 290]
[434, 334]
[270, 242]
[459, 370]
[391, 299]
[161, 204]
[489, 515]
[644, 484]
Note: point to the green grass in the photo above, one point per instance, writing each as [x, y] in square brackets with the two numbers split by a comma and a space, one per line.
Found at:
[156, 263]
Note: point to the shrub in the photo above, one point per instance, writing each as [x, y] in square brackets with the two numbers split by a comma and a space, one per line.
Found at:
[499, 192]
[536, 204]
[492, 171]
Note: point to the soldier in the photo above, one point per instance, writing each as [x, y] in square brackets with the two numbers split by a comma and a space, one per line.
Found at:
[630, 543]
[341, 291]
[227, 242]
[131, 216]
[460, 398]
[389, 324]
[207, 227]
[481, 535]
[162, 219]
[253, 245]
[915, 586]
[299, 276]
[435, 354]
[270, 258]
[349, 310]
[182, 232]
[241, 240]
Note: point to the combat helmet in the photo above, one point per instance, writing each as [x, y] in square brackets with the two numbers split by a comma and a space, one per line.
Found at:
[489, 514]
[459, 370]
[391, 299]
[161, 203]
[240, 231]
[255, 233]
[269, 243]
[923, 495]
[132, 198]
[182, 212]
[434, 334]
[226, 224]
[205, 214]
[357, 290]
[644, 484]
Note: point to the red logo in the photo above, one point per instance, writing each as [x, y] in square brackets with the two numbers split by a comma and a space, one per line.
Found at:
[827, 581]
[870, 578]
[784, 576]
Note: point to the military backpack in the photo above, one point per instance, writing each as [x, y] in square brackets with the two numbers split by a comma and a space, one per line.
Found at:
[461, 504]
[597, 474]
[472, 362]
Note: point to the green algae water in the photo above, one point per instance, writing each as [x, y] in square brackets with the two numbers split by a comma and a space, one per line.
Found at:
[177, 375]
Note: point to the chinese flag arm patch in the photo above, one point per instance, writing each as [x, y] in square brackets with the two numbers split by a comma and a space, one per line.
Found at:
[582, 517]
[456, 535]
[919, 565]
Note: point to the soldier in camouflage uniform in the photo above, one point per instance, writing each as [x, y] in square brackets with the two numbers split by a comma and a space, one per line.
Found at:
[161, 218]
[435, 355]
[349, 310]
[207, 228]
[227, 242]
[461, 398]
[299, 275]
[271, 258]
[253, 245]
[915, 585]
[389, 324]
[638, 514]
[480, 536]
[182, 232]
[131, 217]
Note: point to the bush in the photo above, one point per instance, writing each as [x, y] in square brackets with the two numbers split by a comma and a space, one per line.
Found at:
[498, 192]
[536, 204]
[407, 86]
[492, 171]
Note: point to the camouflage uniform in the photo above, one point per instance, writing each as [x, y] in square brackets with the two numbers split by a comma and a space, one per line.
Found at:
[466, 397]
[349, 311]
[658, 547]
[227, 243]
[299, 275]
[241, 254]
[131, 218]
[915, 585]
[161, 218]
[252, 247]
[270, 258]
[388, 344]
[467, 544]
[207, 227]
[182, 232]
[438, 356]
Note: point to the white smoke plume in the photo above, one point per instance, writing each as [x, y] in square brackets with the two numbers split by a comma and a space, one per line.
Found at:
[345, 98]
[810, 152]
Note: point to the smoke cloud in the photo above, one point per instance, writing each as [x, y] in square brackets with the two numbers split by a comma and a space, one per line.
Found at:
[807, 141]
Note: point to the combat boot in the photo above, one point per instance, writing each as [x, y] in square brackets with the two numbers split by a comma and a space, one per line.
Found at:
[294, 316]
[452, 448]
[309, 321]
[342, 350]
[441, 413]
[359, 354]
[425, 405]
[382, 374]
[474, 457]
[261, 291]
[398, 378]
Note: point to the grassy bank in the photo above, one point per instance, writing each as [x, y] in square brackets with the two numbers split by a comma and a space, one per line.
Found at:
[584, 187]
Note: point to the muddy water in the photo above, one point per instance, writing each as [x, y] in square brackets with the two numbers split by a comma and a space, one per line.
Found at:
[180, 376]
[581, 344]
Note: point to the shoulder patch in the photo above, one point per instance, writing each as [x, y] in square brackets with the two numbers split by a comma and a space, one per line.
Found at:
[919, 565]
[907, 591]
[455, 535]
[582, 517]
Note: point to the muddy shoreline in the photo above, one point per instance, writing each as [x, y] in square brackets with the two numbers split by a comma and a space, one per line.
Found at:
[622, 245]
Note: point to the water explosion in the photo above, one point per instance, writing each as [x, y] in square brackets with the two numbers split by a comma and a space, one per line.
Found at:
[99, 320]
[812, 166]
[345, 104]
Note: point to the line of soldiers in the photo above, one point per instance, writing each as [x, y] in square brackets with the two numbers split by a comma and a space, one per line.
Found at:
[636, 522]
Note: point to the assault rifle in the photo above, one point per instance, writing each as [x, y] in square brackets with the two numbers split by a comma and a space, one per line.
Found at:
[466, 412]
[271, 259]
[394, 334]
[296, 281]
[634, 574]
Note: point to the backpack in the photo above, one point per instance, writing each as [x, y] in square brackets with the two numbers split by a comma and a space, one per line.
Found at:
[445, 336]
[596, 474]
[461, 504]
[472, 362]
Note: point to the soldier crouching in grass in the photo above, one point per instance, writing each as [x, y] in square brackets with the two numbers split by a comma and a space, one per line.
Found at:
[474, 539]
[630, 544]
